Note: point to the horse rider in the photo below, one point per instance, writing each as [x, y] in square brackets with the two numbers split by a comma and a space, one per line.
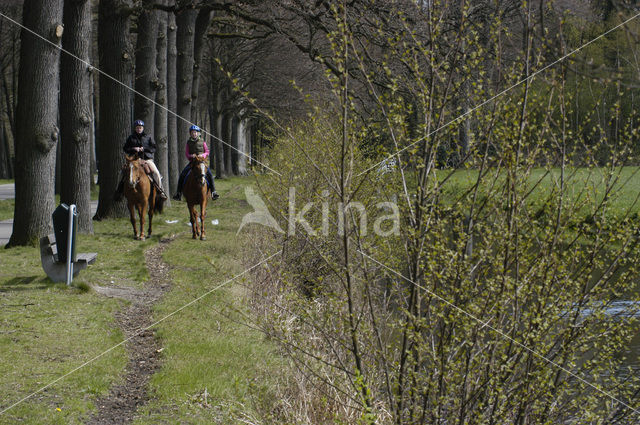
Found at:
[195, 147]
[142, 145]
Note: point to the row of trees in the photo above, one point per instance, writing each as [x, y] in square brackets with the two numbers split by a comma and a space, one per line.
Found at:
[168, 63]
[241, 70]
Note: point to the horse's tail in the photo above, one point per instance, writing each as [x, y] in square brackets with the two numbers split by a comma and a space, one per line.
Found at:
[159, 204]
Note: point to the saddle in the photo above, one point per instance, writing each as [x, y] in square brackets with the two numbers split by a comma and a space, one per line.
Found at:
[145, 167]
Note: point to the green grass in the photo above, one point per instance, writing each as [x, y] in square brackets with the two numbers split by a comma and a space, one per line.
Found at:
[207, 348]
[584, 188]
[6, 209]
[48, 329]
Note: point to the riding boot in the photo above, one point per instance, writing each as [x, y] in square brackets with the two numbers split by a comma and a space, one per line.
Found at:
[214, 194]
[161, 192]
[183, 174]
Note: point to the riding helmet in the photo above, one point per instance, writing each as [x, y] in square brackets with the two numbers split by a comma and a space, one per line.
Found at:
[138, 123]
[194, 127]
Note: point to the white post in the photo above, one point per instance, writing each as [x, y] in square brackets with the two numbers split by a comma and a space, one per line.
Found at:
[72, 210]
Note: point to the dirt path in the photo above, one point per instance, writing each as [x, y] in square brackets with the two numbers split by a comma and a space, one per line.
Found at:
[122, 402]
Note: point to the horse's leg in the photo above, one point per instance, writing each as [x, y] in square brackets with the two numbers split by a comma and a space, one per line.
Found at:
[194, 220]
[141, 210]
[152, 203]
[203, 216]
[132, 217]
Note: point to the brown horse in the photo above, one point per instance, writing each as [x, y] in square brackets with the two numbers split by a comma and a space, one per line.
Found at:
[196, 193]
[141, 195]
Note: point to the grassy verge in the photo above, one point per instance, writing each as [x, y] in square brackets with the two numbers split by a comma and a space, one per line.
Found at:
[213, 367]
[48, 330]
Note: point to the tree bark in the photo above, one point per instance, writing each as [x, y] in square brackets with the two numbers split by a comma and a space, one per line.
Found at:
[36, 117]
[75, 112]
[227, 134]
[215, 160]
[234, 151]
[244, 145]
[160, 122]
[202, 25]
[185, 20]
[4, 150]
[115, 100]
[219, 147]
[146, 74]
[8, 86]
[172, 95]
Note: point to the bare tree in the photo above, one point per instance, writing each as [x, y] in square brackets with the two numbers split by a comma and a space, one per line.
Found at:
[160, 121]
[76, 118]
[9, 57]
[202, 25]
[146, 78]
[115, 99]
[185, 20]
[172, 103]
[36, 119]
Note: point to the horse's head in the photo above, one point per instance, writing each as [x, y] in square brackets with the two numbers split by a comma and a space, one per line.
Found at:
[136, 170]
[199, 170]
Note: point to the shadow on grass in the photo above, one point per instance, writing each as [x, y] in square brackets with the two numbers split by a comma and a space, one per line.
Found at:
[25, 283]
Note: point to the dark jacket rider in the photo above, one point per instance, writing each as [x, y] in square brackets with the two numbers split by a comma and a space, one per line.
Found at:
[141, 144]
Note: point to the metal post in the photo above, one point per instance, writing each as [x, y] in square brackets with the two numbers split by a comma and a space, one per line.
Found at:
[72, 210]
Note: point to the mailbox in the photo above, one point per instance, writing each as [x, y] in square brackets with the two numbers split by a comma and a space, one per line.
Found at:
[61, 221]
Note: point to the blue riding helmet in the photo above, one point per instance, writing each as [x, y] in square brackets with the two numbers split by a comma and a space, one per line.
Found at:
[138, 123]
[194, 127]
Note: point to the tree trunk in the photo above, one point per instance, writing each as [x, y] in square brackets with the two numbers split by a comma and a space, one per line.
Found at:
[160, 129]
[93, 130]
[4, 158]
[172, 95]
[95, 85]
[36, 117]
[115, 100]
[9, 88]
[234, 150]
[202, 25]
[146, 75]
[227, 127]
[214, 158]
[219, 147]
[10, 85]
[244, 143]
[186, 20]
[75, 112]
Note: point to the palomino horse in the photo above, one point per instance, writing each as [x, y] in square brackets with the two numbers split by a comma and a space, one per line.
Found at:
[141, 195]
[195, 193]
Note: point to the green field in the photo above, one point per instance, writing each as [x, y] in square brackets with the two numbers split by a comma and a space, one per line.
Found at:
[582, 191]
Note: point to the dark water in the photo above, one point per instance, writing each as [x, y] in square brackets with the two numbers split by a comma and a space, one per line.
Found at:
[626, 309]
